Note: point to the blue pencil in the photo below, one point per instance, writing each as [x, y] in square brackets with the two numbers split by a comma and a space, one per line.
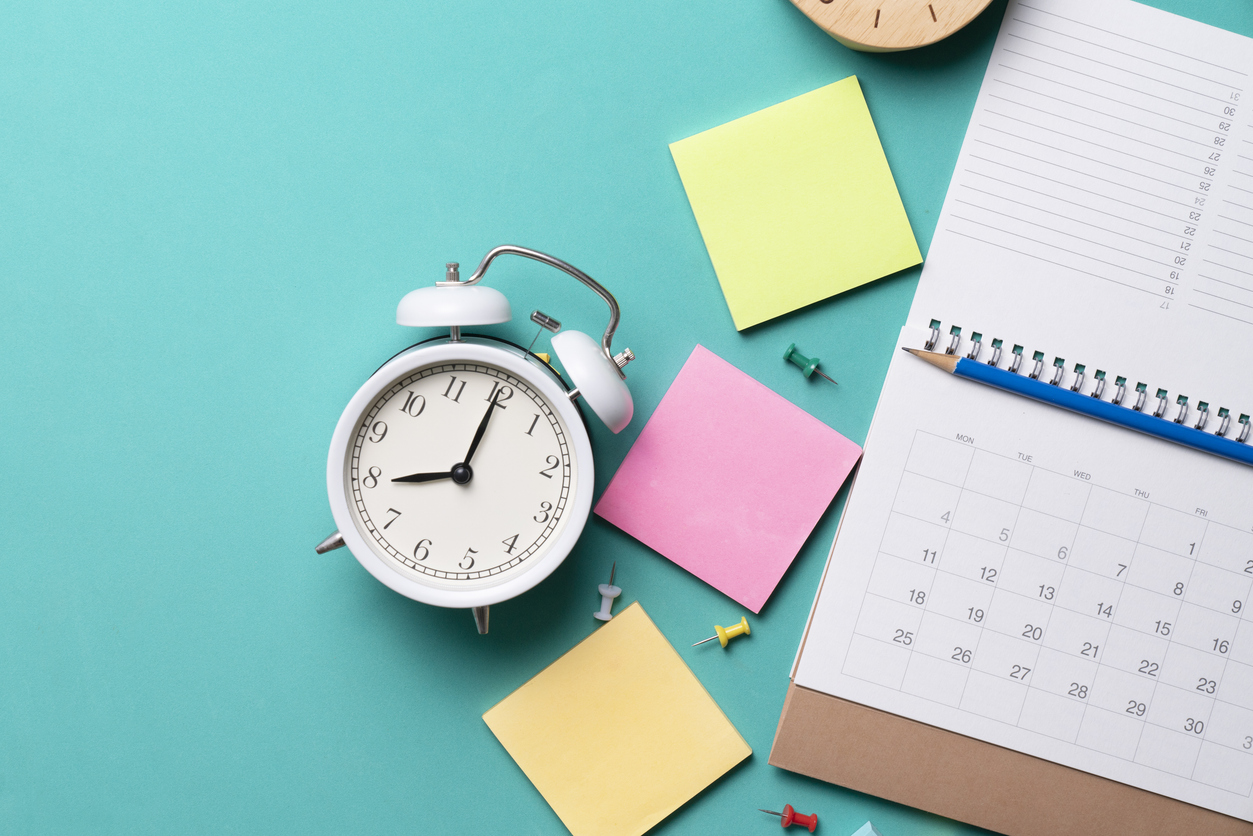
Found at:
[1038, 390]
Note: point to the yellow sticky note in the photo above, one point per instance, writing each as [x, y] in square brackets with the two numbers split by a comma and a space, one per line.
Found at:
[617, 734]
[796, 203]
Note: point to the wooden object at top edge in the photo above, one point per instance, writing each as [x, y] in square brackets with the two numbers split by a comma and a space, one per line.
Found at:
[890, 25]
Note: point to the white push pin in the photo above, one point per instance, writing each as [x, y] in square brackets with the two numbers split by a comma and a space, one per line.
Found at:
[607, 593]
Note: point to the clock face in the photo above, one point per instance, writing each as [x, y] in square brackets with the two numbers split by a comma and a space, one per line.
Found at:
[442, 524]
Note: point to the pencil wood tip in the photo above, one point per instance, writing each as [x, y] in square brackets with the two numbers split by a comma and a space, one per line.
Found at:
[948, 362]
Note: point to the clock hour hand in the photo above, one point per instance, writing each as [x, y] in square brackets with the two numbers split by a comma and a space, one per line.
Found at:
[424, 477]
[478, 434]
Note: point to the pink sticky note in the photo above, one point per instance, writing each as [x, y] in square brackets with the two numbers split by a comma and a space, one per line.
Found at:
[728, 479]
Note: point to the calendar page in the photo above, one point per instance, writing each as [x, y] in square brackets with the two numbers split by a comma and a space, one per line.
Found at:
[1020, 574]
[1047, 583]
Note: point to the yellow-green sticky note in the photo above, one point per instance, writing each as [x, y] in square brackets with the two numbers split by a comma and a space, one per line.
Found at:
[796, 203]
[617, 734]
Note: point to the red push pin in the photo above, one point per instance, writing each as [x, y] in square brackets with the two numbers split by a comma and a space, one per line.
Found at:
[790, 817]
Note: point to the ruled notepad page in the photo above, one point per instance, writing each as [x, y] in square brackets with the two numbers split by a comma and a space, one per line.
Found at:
[1105, 187]
[1020, 574]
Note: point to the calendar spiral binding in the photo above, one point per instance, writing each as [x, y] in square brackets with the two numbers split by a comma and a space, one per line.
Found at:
[1098, 378]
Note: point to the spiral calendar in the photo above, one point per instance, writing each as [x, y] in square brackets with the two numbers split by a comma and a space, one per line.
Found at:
[1046, 601]
[1028, 577]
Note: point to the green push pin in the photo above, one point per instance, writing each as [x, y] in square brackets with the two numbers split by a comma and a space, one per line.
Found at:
[808, 365]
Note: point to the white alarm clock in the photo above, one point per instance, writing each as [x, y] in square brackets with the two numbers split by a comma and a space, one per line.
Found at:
[461, 472]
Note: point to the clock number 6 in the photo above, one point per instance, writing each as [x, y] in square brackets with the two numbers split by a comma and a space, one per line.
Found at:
[467, 562]
[554, 463]
[544, 508]
[422, 546]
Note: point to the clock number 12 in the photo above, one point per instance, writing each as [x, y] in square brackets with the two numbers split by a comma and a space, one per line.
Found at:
[505, 394]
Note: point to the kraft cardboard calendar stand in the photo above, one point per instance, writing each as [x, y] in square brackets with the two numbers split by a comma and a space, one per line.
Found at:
[950, 774]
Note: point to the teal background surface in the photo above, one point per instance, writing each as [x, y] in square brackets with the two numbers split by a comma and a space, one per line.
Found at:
[207, 216]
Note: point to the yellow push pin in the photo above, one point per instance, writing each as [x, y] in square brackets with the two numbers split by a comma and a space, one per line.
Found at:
[725, 634]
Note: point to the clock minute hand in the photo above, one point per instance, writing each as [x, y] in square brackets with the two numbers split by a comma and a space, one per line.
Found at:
[424, 477]
[461, 473]
[478, 434]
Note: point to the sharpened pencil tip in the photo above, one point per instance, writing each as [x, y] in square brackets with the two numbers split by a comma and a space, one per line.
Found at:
[947, 362]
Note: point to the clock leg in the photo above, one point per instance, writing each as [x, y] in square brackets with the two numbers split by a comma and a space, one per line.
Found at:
[481, 615]
[330, 543]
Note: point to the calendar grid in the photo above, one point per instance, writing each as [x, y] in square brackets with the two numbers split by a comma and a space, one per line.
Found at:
[982, 628]
[888, 643]
[1169, 641]
[1060, 583]
[1117, 606]
[1001, 722]
[1134, 629]
[1050, 603]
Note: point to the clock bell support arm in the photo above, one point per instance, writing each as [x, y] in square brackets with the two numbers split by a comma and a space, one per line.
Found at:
[544, 258]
